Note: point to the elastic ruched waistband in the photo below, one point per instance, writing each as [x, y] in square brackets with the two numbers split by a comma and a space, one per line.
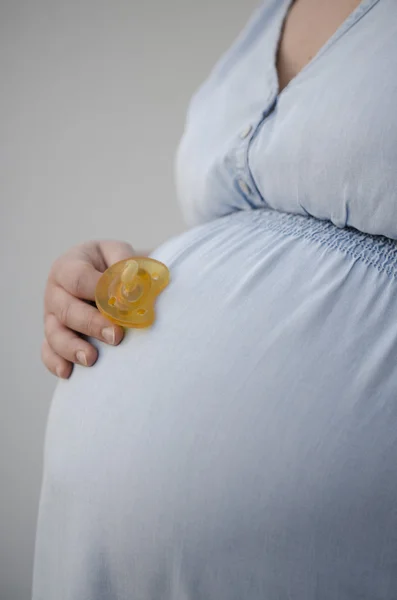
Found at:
[376, 250]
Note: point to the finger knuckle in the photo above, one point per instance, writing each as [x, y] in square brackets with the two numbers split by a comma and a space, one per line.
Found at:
[64, 313]
[77, 284]
[50, 295]
[91, 323]
[48, 326]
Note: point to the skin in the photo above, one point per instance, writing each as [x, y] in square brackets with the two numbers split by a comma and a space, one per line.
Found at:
[70, 290]
[308, 26]
[69, 308]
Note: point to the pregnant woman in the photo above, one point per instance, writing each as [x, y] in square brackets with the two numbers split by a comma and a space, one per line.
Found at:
[245, 446]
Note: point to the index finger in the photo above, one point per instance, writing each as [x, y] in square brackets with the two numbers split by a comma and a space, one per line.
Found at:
[80, 281]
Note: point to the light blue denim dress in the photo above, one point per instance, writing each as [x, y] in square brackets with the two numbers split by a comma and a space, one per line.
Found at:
[245, 447]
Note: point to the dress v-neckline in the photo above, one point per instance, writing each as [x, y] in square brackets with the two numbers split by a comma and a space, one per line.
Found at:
[348, 23]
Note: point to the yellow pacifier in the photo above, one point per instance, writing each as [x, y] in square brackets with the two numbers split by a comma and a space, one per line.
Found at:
[126, 292]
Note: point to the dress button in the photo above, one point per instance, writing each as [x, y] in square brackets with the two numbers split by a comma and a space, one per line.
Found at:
[244, 187]
[245, 132]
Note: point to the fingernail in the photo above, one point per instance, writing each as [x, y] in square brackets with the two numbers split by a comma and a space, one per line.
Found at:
[59, 371]
[109, 334]
[81, 357]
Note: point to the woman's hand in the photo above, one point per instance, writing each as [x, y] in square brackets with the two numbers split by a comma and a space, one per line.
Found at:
[71, 282]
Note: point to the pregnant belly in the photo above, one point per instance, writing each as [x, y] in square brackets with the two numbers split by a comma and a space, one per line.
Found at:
[245, 445]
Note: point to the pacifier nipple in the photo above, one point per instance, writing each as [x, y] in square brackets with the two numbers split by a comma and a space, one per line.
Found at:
[127, 290]
[130, 290]
[129, 275]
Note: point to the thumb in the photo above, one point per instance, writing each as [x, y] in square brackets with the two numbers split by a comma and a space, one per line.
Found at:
[114, 251]
[90, 260]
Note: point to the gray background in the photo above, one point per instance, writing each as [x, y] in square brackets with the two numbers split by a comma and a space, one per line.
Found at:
[93, 96]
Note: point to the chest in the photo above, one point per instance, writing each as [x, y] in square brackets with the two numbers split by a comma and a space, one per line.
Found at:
[308, 26]
[325, 147]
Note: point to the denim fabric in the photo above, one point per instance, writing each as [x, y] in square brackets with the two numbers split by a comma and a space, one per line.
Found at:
[245, 447]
